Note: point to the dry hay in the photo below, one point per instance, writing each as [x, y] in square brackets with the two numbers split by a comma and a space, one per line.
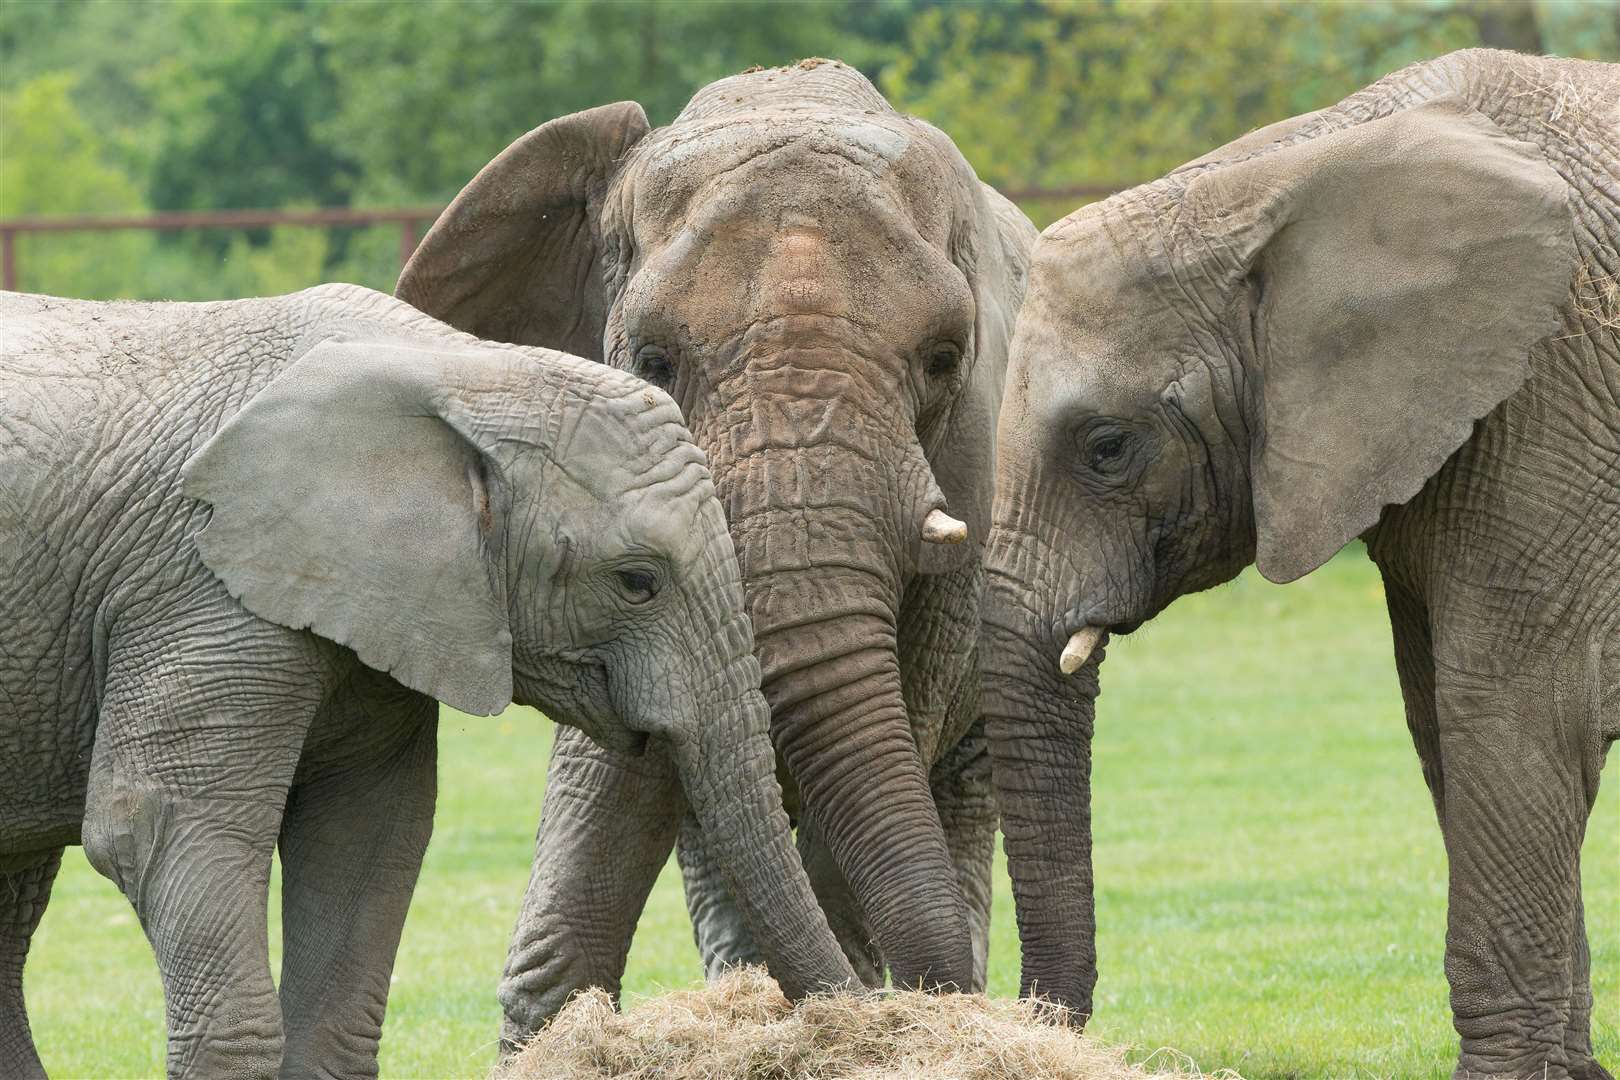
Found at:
[1597, 297]
[741, 1027]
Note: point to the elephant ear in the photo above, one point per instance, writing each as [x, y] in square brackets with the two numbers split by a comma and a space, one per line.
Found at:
[1397, 274]
[998, 274]
[1003, 274]
[349, 498]
[518, 256]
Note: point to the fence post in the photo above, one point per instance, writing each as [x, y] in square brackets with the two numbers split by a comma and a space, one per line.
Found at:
[8, 259]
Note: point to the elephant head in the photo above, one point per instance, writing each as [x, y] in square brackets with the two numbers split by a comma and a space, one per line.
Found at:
[827, 290]
[492, 525]
[1245, 361]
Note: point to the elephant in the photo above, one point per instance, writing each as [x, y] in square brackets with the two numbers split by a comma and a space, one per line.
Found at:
[1394, 319]
[828, 292]
[244, 546]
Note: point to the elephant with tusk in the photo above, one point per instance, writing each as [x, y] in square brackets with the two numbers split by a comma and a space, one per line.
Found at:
[1394, 318]
[828, 291]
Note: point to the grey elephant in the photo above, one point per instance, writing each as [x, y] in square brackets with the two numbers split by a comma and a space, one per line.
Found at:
[245, 545]
[1394, 318]
[828, 291]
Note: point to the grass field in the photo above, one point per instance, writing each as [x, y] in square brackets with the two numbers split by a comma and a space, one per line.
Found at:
[1272, 882]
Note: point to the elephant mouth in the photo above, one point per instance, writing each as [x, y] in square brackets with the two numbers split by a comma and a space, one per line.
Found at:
[1068, 624]
[1086, 641]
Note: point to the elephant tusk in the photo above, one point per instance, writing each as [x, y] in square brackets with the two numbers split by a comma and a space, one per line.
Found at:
[1081, 644]
[940, 528]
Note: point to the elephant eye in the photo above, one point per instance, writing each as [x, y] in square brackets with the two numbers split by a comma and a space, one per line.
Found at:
[1105, 449]
[640, 586]
[653, 364]
[944, 359]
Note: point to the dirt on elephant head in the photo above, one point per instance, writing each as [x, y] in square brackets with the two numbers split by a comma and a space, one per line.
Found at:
[741, 1026]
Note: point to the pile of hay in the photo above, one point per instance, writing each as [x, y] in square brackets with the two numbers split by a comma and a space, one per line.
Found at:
[742, 1027]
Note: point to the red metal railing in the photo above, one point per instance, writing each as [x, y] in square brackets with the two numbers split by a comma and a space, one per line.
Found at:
[411, 221]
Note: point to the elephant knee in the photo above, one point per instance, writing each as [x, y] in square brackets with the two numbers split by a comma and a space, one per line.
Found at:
[122, 823]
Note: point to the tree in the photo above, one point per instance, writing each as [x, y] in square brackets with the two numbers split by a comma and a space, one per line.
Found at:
[242, 94]
[51, 162]
[1097, 92]
[431, 91]
[109, 106]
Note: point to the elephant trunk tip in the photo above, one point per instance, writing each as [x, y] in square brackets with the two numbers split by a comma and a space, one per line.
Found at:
[940, 528]
[1082, 643]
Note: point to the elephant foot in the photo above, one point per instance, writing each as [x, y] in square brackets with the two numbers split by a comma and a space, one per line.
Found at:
[1589, 1069]
[539, 981]
[1477, 1070]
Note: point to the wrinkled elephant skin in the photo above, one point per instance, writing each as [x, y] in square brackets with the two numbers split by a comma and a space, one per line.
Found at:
[828, 291]
[245, 545]
[1394, 318]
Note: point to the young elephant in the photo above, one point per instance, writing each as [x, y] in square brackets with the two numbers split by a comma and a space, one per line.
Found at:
[243, 546]
[828, 291]
[1394, 318]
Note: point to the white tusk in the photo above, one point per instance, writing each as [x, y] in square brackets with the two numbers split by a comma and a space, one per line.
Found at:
[1079, 649]
[940, 528]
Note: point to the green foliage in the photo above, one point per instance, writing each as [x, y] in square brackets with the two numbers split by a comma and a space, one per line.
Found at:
[52, 158]
[1117, 93]
[299, 102]
[1585, 28]
[53, 161]
[1271, 881]
[432, 91]
[244, 89]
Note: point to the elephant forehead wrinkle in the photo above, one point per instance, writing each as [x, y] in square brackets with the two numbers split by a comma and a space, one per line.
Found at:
[721, 150]
[667, 519]
[1074, 344]
[879, 142]
[739, 169]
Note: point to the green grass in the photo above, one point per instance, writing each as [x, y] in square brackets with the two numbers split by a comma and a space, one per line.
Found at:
[1272, 880]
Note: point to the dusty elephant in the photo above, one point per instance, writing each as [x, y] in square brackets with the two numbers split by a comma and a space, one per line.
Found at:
[828, 292]
[1394, 318]
[188, 487]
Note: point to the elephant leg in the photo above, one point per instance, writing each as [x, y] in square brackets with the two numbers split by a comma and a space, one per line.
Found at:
[25, 887]
[195, 751]
[356, 826]
[1513, 813]
[606, 829]
[1414, 664]
[1578, 1031]
[967, 810]
[840, 904]
[723, 938]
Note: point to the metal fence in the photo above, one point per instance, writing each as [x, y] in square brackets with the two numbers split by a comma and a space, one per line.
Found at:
[413, 221]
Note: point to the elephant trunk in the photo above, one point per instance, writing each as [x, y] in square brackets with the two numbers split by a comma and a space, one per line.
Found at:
[728, 770]
[825, 534]
[722, 749]
[1038, 722]
[841, 725]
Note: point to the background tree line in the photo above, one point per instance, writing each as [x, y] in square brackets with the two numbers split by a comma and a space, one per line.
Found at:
[109, 106]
